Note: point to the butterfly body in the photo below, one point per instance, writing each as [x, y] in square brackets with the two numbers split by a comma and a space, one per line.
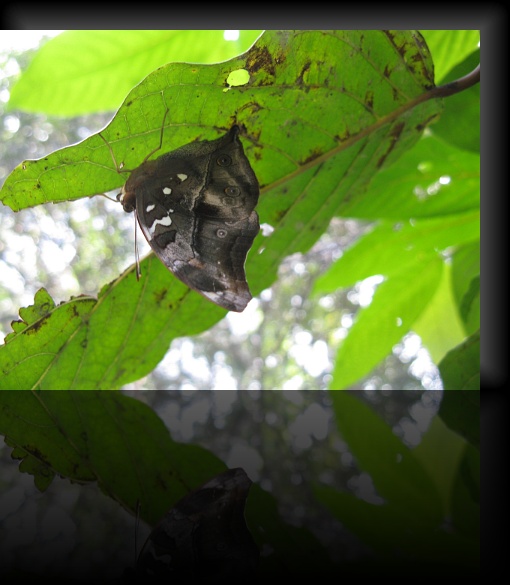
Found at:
[196, 208]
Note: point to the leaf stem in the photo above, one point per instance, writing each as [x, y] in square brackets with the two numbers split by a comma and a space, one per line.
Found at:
[436, 92]
[458, 85]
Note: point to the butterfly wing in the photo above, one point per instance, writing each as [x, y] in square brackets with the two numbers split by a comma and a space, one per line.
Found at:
[195, 206]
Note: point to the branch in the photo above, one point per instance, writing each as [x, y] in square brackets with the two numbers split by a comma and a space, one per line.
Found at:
[458, 85]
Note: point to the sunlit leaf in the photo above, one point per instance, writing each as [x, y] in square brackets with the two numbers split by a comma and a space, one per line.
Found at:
[460, 368]
[432, 179]
[462, 131]
[341, 124]
[466, 285]
[439, 326]
[450, 47]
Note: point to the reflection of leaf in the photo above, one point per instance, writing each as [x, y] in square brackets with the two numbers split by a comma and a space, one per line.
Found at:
[466, 493]
[397, 475]
[105, 437]
[32, 464]
[321, 114]
[400, 542]
[286, 550]
[460, 405]
[407, 526]
[120, 443]
[460, 368]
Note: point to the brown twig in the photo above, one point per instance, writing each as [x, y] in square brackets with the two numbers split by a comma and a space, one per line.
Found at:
[458, 85]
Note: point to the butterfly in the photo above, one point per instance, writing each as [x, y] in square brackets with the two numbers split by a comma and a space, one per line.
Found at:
[196, 207]
[204, 537]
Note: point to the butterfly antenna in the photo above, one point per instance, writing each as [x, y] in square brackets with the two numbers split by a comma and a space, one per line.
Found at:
[137, 255]
[137, 524]
[118, 167]
[160, 138]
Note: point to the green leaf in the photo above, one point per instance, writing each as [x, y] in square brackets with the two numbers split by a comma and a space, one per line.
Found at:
[86, 71]
[43, 305]
[460, 410]
[408, 256]
[430, 180]
[104, 344]
[372, 110]
[105, 437]
[462, 131]
[466, 284]
[358, 129]
[439, 326]
[450, 47]
[390, 248]
[460, 368]
[36, 346]
[396, 305]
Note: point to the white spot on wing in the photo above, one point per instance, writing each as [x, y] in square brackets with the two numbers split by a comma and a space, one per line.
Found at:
[267, 229]
[167, 220]
[182, 176]
[167, 190]
[149, 208]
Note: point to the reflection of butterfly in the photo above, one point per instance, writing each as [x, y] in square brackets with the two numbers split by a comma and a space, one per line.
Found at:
[204, 536]
[196, 208]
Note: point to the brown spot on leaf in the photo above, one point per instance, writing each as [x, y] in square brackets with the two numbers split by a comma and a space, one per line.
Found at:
[304, 70]
[252, 107]
[343, 136]
[280, 215]
[260, 59]
[35, 327]
[422, 125]
[394, 135]
[369, 100]
[160, 295]
[312, 156]
[38, 454]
